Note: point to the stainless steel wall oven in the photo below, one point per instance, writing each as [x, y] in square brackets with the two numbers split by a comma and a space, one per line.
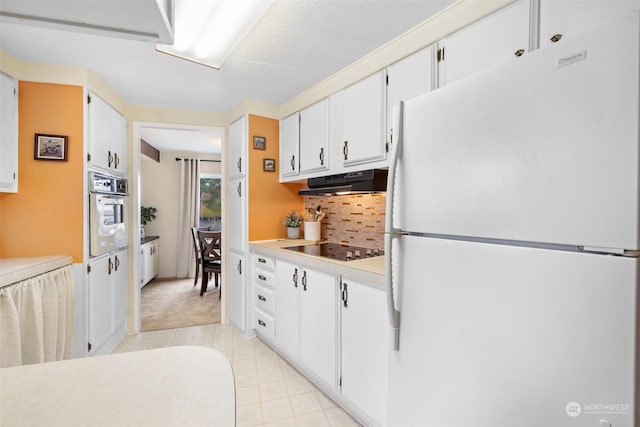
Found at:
[107, 203]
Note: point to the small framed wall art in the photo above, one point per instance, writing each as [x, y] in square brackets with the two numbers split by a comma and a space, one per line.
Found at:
[50, 147]
[269, 165]
[259, 143]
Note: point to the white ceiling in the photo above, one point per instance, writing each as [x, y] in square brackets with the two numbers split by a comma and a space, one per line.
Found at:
[192, 139]
[295, 45]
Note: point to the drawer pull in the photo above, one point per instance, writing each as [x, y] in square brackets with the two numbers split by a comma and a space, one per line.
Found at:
[261, 277]
[262, 260]
[261, 298]
[261, 323]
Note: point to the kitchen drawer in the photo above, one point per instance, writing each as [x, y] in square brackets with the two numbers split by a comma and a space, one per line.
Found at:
[265, 325]
[264, 278]
[264, 262]
[264, 299]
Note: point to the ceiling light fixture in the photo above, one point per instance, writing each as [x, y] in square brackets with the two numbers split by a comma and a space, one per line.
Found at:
[206, 32]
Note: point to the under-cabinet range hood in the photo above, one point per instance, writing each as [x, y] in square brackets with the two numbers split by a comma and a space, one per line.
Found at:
[362, 182]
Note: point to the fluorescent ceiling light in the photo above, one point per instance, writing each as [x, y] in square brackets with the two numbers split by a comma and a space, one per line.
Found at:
[207, 31]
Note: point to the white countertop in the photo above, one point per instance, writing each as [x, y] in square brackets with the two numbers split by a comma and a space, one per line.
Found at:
[14, 270]
[366, 270]
[173, 386]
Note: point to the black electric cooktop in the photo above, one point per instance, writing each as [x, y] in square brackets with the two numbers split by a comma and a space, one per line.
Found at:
[337, 251]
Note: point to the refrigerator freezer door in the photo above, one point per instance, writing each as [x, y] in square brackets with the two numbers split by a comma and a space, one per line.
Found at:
[543, 149]
[502, 336]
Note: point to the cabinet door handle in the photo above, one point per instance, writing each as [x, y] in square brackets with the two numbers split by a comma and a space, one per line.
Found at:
[117, 262]
[240, 266]
[262, 260]
[261, 323]
[322, 157]
[304, 280]
[239, 189]
[293, 162]
[295, 278]
[110, 265]
[261, 298]
[109, 158]
[239, 164]
[116, 160]
[519, 53]
[261, 277]
[345, 295]
[345, 150]
[555, 38]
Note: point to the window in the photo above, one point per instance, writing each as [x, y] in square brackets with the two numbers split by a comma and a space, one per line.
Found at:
[210, 201]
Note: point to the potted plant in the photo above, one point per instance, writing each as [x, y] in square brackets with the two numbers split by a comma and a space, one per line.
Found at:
[147, 214]
[293, 221]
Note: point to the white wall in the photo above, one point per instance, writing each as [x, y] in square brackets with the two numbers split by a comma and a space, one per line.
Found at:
[159, 187]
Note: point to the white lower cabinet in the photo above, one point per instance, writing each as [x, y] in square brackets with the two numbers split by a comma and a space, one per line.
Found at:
[236, 289]
[264, 296]
[333, 328]
[305, 323]
[365, 348]
[149, 265]
[107, 286]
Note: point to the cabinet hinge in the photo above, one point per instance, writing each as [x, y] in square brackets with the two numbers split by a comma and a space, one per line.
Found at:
[340, 381]
[88, 157]
[88, 269]
[88, 99]
[387, 79]
[14, 90]
[441, 54]
[88, 346]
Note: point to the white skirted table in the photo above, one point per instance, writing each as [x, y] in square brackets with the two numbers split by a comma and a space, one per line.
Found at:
[36, 310]
[173, 386]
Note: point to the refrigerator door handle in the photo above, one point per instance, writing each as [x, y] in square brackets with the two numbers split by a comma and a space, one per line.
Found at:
[394, 314]
[390, 232]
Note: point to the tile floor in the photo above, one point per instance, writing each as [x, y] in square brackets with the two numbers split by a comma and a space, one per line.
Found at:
[269, 391]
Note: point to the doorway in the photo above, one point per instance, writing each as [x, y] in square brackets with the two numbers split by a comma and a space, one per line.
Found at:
[167, 301]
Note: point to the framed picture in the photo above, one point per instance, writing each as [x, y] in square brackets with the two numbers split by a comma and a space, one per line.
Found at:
[269, 165]
[50, 147]
[259, 143]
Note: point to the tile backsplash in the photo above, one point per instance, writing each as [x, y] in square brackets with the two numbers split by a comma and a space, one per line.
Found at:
[356, 220]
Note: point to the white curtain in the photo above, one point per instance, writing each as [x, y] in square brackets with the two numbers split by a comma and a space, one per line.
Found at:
[36, 319]
[188, 216]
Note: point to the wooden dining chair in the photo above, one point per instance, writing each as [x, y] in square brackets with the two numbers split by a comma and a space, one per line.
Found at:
[196, 248]
[211, 258]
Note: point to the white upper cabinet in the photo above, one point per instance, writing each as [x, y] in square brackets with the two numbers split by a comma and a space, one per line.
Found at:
[407, 79]
[289, 146]
[565, 18]
[107, 136]
[8, 134]
[314, 137]
[357, 122]
[501, 37]
[238, 147]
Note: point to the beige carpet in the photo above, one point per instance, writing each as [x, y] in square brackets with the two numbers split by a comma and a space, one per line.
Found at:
[176, 303]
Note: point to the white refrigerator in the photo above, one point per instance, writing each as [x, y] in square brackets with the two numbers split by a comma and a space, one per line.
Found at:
[512, 242]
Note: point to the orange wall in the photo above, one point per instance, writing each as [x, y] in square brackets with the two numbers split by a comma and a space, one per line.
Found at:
[269, 201]
[45, 216]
